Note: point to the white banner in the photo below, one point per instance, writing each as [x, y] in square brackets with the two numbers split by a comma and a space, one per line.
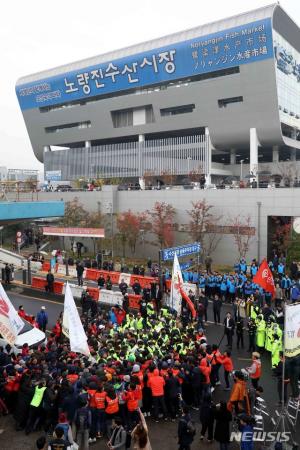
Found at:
[175, 297]
[292, 330]
[110, 297]
[72, 326]
[10, 322]
[126, 277]
[189, 287]
[61, 270]
[76, 290]
[36, 266]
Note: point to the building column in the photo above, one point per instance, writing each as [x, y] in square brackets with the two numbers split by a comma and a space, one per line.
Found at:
[275, 154]
[232, 156]
[209, 156]
[141, 138]
[293, 154]
[47, 148]
[253, 152]
[87, 144]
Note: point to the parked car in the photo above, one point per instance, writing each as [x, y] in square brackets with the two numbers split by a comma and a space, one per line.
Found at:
[63, 188]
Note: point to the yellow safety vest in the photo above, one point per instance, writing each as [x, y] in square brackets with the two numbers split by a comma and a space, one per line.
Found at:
[38, 396]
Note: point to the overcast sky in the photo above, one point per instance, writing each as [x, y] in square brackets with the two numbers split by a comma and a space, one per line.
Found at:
[37, 35]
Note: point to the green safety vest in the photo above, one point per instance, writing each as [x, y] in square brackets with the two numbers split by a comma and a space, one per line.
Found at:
[38, 396]
[139, 324]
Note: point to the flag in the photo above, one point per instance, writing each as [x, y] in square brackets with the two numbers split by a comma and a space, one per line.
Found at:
[10, 322]
[175, 297]
[72, 326]
[292, 330]
[264, 278]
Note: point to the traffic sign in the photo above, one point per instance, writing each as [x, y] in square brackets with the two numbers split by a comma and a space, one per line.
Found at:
[19, 234]
[184, 250]
[19, 240]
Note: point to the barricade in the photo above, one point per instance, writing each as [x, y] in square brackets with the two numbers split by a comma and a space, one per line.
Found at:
[46, 266]
[58, 287]
[134, 301]
[144, 281]
[93, 292]
[39, 283]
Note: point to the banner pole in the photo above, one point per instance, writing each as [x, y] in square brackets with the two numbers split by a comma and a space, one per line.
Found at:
[283, 362]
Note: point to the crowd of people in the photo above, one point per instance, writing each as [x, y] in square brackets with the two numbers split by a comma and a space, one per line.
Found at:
[152, 363]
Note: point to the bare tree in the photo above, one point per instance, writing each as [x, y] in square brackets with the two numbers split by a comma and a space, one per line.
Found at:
[243, 233]
[203, 226]
[287, 171]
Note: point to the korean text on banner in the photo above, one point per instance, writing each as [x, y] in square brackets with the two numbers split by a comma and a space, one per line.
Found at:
[110, 297]
[10, 322]
[72, 326]
[175, 297]
[292, 330]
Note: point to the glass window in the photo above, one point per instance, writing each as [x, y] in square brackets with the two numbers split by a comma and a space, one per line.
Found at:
[287, 60]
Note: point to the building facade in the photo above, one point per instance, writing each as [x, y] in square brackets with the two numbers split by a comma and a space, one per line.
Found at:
[205, 99]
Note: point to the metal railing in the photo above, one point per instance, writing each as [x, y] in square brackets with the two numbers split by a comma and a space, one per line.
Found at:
[174, 156]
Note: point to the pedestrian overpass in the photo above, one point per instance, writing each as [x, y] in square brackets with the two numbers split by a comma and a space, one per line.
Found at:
[11, 212]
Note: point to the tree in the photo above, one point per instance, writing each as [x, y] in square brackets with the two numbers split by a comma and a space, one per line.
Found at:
[75, 214]
[129, 225]
[202, 226]
[95, 220]
[243, 233]
[282, 235]
[161, 222]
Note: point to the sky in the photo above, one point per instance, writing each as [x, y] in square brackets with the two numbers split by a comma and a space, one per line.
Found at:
[36, 35]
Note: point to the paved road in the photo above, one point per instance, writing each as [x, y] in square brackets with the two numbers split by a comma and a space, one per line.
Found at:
[163, 435]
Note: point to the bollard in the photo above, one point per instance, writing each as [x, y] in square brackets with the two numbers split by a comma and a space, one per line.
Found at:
[29, 271]
[24, 275]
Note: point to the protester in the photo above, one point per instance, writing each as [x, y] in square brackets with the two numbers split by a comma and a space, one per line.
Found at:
[42, 319]
[223, 418]
[186, 430]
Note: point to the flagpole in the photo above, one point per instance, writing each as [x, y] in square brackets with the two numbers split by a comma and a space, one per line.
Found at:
[283, 362]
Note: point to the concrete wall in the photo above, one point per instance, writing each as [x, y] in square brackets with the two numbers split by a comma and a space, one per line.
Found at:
[228, 203]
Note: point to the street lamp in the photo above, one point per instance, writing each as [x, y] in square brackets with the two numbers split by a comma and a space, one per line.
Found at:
[109, 208]
[241, 162]
[143, 240]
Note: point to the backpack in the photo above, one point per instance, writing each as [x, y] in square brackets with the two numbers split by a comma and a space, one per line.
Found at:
[82, 422]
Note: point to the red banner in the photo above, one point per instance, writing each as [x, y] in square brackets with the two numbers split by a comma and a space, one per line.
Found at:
[264, 278]
[74, 232]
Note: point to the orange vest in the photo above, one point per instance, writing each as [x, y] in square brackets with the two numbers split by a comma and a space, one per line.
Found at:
[72, 377]
[131, 401]
[92, 392]
[257, 373]
[112, 405]
[100, 400]
[138, 392]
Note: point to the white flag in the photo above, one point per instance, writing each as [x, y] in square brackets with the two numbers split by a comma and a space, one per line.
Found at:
[175, 297]
[292, 330]
[10, 322]
[72, 326]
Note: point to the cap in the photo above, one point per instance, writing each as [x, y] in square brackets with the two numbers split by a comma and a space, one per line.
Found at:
[127, 378]
[136, 368]
[43, 307]
[256, 355]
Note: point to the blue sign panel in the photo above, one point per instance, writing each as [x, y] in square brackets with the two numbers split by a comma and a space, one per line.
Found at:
[232, 47]
[184, 250]
[53, 175]
[185, 266]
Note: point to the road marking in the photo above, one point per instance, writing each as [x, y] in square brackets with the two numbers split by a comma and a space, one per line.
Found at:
[40, 299]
